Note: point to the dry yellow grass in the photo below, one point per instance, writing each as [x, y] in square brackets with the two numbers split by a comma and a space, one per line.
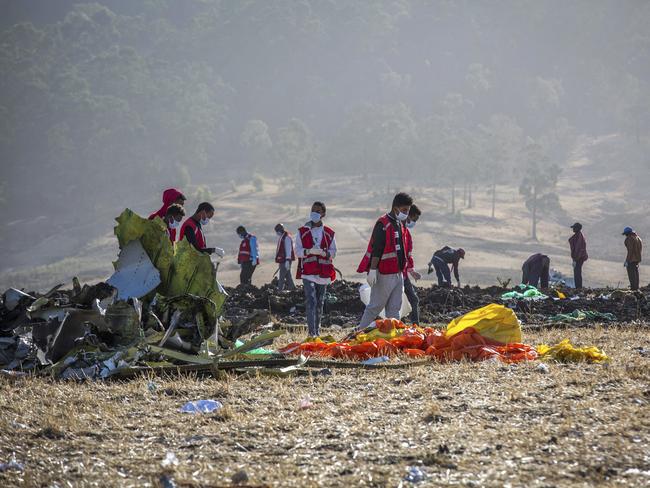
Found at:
[464, 424]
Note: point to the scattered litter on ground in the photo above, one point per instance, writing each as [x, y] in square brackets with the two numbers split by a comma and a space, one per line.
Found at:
[201, 406]
[169, 460]
[566, 352]
[579, 315]
[414, 475]
[524, 292]
[12, 465]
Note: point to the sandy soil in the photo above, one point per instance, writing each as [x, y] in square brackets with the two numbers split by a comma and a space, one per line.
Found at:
[485, 424]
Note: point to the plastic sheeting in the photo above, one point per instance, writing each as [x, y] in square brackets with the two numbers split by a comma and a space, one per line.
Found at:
[566, 352]
[364, 295]
[493, 321]
[470, 337]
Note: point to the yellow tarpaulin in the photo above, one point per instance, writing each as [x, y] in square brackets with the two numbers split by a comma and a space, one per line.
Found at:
[493, 321]
[567, 353]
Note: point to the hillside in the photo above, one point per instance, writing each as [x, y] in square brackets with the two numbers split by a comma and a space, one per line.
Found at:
[495, 248]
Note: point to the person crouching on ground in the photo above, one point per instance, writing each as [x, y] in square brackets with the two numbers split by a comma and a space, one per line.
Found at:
[441, 260]
[536, 271]
[284, 256]
[248, 256]
[387, 262]
[315, 249]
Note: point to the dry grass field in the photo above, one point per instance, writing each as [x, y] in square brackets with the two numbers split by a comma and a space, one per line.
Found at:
[463, 424]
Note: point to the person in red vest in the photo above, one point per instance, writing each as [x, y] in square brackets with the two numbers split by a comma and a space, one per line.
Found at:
[410, 290]
[315, 249]
[284, 256]
[387, 262]
[173, 218]
[170, 196]
[248, 257]
[192, 229]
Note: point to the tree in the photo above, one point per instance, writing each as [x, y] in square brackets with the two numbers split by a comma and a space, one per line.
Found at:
[501, 141]
[296, 151]
[257, 142]
[538, 183]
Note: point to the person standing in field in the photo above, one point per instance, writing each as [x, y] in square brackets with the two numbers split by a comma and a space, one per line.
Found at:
[578, 253]
[284, 256]
[248, 256]
[316, 250]
[386, 262]
[410, 290]
[634, 247]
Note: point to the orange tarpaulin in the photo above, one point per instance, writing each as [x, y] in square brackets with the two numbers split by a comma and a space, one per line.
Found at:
[464, 342]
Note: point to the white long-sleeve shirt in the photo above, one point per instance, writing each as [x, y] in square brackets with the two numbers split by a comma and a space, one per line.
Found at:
[317, 237]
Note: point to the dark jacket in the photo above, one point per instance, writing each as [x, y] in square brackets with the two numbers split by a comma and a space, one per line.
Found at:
[578, 247]
[634, 247]
[450, 256]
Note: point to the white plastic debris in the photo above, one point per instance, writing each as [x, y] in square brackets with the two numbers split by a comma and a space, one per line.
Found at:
[169, 460]
[364, 295]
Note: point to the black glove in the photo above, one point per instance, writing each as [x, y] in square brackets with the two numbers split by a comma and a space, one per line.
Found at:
[430, 269]
[209, 250]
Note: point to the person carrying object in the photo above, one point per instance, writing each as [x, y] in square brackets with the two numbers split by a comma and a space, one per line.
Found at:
[284, 256]
[248, 256]
[441, 260]
[634, 247]
[386, 262]
[579, 255]
[315, 250]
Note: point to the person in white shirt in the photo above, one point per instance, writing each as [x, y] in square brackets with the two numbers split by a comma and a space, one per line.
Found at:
[315, 249]
[284, 256]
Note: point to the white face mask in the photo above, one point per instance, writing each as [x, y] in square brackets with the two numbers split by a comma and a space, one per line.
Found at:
[410, 225]
[204, 222]
[402, 216]
[174, 224]
[314, 217]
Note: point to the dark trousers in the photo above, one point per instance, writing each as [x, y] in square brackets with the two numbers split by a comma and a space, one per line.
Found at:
[633, 275]
[577, 274]
[442, 271]
[411, 293]
[246, 274]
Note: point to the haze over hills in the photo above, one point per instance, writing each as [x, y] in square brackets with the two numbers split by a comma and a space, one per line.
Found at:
[262, 107]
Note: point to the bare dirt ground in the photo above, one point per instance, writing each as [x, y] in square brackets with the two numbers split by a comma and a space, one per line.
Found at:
[463, 424]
